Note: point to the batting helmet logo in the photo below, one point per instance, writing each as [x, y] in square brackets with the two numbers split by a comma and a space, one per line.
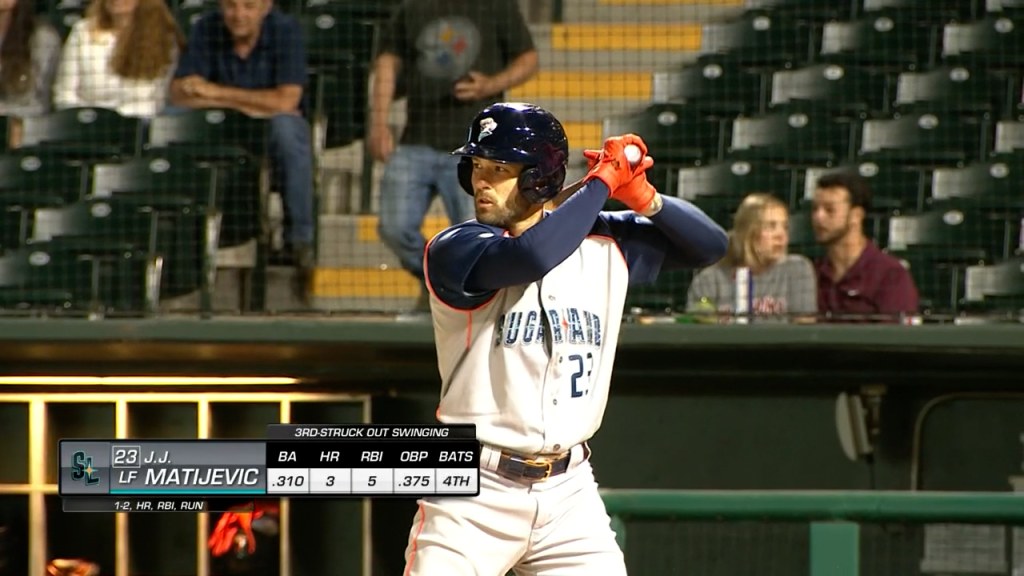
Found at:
[487, 127]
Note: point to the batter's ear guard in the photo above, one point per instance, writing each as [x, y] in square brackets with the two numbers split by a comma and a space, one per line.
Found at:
[537, 187]
[532, 183]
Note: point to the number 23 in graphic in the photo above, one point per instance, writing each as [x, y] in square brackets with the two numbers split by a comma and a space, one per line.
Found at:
[583, 365]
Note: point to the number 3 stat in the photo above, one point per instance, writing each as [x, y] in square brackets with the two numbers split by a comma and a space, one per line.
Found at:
[295, 460]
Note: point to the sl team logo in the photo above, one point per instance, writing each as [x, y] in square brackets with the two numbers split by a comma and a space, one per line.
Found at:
[82, 470]
[487, 127]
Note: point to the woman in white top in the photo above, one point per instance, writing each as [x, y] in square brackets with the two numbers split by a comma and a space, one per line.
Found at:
[120, 56]
[782, 284]
[29, 51]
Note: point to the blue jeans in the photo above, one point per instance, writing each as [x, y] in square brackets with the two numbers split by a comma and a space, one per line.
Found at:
[411, 178]
[291, 154]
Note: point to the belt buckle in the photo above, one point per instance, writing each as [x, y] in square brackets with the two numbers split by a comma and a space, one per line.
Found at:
[545, 463]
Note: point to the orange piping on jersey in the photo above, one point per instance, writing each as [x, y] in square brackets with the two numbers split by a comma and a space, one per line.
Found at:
[415, 541]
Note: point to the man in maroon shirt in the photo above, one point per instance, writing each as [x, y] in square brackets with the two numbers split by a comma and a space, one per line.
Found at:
[856, 280]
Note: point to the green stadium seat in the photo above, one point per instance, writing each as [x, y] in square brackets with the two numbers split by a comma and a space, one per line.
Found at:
[666, 295]
[998, 287]
[923, 138]
[30, 182]
[187, 12]
[756, 39]
[790, 137]
[894, 187]
[953, 231]
[86, 134]
[938, 11]
[886, 41]
[675, 135]
[733, 179]
[375, 10]
[339, 53]
[997, 182]
[209, 134]
[811, 10]
[165, 227]
[939, 281]
[801, 235]
[995, 42]
[830, 87]
[81, 277]
[62, 14]
[950, 89]
[1009, 137]
[718, 88]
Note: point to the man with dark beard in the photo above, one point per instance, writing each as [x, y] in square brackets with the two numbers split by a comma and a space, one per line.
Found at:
[856, 280]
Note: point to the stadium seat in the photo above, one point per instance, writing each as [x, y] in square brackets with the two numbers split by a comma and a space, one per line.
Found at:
[30, 182]
[668, 294]
[937, 11]
[954, 232]
[886, 41]
[829, 87]
[756, 39]
[997, 286]
[82, 277]
[374, 10]
[734, 179]
[82, 133]
[811, 10]
[801, 235]
[950, 89]
[63, 14]
[990, 187]
[339, 52]
[894, 187]
[922, 139]
[1009, 137]
[719, 88]
[675, 135]
[790, 137]
[210, 134]
[995, 42]
[166, 228]
[186, 12]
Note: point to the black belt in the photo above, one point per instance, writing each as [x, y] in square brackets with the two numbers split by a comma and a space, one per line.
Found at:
[516, 467]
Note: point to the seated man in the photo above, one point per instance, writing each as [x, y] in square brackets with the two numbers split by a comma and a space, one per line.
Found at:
[249, 56]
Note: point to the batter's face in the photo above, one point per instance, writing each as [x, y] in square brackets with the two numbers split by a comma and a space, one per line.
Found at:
[773, 237]
[495, 196]
[832, 216]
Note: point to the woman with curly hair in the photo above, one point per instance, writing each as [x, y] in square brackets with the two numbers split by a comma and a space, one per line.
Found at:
[29, 52]
[120, 56]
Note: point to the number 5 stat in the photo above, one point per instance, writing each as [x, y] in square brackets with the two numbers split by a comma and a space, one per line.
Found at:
[295, 460]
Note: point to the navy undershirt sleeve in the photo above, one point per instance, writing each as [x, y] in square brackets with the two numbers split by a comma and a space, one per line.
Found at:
[467, 263]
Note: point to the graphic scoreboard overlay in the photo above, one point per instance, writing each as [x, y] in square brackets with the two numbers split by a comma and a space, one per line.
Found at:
[295, 461]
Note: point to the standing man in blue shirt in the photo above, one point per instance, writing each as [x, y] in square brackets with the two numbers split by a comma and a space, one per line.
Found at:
[249, 57]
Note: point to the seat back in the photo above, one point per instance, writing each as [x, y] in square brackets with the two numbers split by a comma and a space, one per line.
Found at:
[994, 42]
[211, 134]
[997, 285]
[734, 178]
[795, 137]
[884, 40]
[949, 89]
[830, 87]
[83, 133]
[921, 138]
[756, 39]
[721, 88]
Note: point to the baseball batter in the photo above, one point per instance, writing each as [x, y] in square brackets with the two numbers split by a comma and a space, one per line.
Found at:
[526, 307]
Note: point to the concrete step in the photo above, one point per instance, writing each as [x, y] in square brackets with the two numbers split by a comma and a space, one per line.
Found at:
[650, 10]
[351, 241]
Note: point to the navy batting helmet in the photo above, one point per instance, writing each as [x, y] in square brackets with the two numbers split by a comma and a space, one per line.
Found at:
[523, 134]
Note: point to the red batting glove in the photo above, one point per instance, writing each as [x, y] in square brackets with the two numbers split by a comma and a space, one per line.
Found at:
[612, 167]
[638, 193]
[222, 540]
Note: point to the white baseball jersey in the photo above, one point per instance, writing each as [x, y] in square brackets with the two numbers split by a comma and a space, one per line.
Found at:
[494, 362]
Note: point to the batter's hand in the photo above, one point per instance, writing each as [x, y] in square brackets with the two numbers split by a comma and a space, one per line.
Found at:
[473, 86]
[638, 193]
[612, 167]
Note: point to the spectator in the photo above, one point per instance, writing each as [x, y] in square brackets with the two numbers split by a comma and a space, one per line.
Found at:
[120, 56]
[249, 56]
[29, 51]
[783, 284]
[454, 59]
[856, 280]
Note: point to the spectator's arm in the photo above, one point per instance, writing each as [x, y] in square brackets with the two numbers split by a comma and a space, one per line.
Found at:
[50, 45]
[385, 77]
[518, 71]
[69, 71]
